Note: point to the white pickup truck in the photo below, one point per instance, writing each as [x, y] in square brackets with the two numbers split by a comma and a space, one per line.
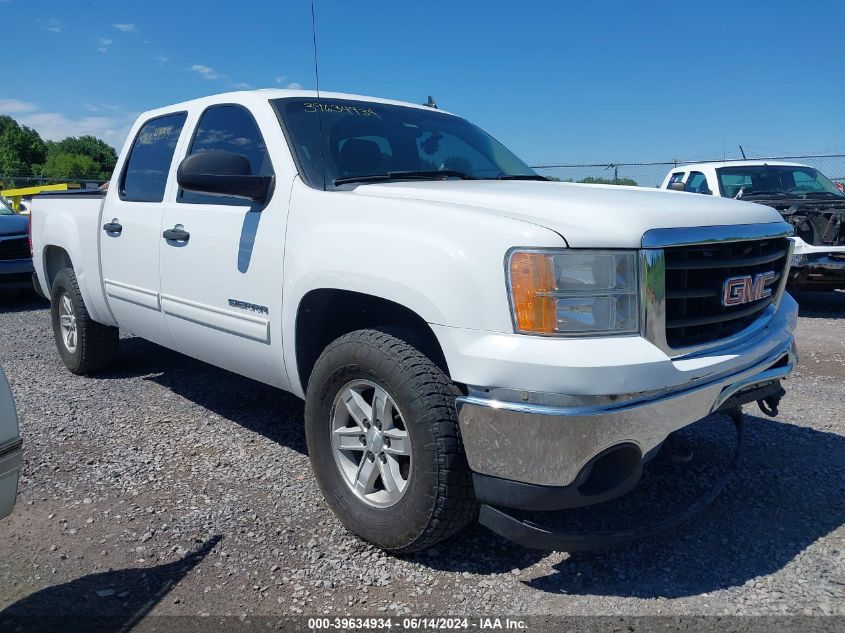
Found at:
[466, 334]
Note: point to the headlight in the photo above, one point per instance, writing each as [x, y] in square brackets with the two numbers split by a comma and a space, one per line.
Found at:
[572, 292]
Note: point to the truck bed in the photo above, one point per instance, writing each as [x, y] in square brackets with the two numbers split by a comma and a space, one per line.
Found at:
[66, 220]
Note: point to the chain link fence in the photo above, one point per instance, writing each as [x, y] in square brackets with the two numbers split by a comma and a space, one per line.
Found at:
[652, 174]
[640, 174]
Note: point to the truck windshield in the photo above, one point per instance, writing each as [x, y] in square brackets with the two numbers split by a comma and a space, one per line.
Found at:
[760, 180]
[364, 141]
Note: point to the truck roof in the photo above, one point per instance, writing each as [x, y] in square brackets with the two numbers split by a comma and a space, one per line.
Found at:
[266, 94]
[733, 163]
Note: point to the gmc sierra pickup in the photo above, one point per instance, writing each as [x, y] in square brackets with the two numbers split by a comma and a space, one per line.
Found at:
[469, 338]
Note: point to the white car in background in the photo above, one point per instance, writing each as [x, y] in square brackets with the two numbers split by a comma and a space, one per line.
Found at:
[10, 449]
[805, 198]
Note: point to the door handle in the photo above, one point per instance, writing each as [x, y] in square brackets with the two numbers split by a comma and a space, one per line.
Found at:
[176, 234]
[113, 227]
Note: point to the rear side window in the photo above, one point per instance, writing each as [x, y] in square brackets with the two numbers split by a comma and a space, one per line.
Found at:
[229, 128]
[145, 176]
[678, 176]
[697, 183]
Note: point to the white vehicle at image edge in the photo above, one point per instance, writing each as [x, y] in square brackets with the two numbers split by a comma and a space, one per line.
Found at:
[810, 202]
[469, 338]
[11, 449]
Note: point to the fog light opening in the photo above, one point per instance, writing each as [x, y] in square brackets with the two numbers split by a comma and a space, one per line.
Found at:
[611, 469]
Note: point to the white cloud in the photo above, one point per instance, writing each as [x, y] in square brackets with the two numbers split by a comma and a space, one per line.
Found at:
[241, 85]
[13, 106]
[280, 79]
[92, 107]
[54, 25]
[206, 71]
[55, 126]
[125, 28]
[294, 86]
[104, 44]
[161, 60]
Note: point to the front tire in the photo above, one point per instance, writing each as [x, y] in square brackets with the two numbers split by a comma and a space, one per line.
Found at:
[84, 345]
[384, 441]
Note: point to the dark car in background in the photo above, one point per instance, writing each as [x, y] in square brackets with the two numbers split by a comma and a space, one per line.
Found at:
[15, 256]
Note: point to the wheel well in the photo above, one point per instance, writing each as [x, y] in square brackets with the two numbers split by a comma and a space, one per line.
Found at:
[327, 314]
[55, 259]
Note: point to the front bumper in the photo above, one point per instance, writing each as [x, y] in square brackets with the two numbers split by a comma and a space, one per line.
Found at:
[522, 450]
[818, 271]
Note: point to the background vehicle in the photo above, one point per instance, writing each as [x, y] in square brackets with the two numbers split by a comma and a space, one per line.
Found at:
[15, 258]
[804, 197]
[464, 332]
[10, 448]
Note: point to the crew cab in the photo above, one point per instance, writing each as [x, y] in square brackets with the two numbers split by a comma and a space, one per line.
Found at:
[466, 334]
[801, 194]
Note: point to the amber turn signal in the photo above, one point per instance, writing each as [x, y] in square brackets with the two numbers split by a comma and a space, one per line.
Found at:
[532, 280]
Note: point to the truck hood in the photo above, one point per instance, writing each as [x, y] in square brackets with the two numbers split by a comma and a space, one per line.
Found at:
[13, 225]
[586, 216]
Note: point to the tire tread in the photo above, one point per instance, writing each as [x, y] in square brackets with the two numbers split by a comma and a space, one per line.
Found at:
[455, 504]
[97, 343]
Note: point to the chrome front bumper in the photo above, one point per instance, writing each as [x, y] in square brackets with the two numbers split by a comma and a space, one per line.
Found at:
[549, 445]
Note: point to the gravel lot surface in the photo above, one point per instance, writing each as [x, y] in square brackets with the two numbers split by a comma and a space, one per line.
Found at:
[171, 485]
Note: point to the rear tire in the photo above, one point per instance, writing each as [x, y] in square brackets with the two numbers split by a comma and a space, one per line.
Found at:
[437, 498]
[84, 345]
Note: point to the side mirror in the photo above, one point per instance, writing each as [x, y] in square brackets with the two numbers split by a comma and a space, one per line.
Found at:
[677, 186]
[222, 173]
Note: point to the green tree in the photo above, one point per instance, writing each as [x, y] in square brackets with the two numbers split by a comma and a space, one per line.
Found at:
[66, 166]
[20, 147]
[591, 180]
[103, 154]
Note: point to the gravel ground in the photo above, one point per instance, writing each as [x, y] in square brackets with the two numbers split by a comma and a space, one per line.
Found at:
[173, 486]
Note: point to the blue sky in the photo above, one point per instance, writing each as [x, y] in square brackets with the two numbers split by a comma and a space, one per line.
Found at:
[555, 81]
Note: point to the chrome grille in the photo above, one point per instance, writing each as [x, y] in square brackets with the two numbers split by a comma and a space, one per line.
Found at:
[695, 274]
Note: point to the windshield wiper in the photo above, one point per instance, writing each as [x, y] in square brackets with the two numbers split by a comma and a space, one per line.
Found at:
[748, 194]
[521, 177]
[808, 194]
[431, 174]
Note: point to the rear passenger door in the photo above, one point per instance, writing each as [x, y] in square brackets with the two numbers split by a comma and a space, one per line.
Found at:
[130, 232]
[221, 289]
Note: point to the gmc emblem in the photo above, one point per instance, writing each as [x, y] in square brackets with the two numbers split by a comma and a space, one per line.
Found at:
[745, 289]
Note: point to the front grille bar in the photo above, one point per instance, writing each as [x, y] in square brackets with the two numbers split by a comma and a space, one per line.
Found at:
[702, 263]
[701, 293]
[673, 324]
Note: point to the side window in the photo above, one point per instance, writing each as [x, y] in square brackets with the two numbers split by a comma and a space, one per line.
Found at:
[145, 175]
[697, 183]
[678, 176]
[229, 128]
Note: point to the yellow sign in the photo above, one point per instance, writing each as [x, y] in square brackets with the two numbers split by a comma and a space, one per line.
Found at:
[15, 195]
